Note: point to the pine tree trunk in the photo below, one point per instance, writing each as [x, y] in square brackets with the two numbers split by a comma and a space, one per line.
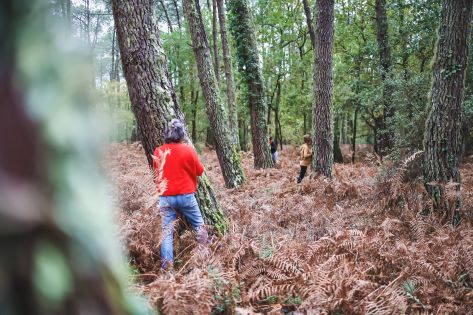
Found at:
[442, 139]
[231, 100]
[214, 40]
[353, 138]
[310, 23]
[337, 153]
[244, 137]
[166, 15]
[277, 123]
[194, 98]
[322, 110]
[305, 123]
[152, 96]
[242, 30]
[228, 155]
[386, 133]
[178, 16]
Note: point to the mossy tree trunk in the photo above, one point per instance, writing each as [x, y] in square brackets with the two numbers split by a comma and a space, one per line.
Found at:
[215, 41]
[229, 80]
[227, 153]
[242, 29]
[442, 139]
[322, 109]
[153, 99]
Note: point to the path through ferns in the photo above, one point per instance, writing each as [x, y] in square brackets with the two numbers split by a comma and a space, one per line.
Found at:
[356, 245]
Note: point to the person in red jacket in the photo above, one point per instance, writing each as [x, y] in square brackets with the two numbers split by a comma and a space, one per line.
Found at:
[177, 166]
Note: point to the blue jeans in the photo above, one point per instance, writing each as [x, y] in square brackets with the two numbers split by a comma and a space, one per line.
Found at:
[187, 206]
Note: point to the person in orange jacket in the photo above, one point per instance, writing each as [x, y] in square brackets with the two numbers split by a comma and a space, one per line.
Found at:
[305, 157]
[179, 166]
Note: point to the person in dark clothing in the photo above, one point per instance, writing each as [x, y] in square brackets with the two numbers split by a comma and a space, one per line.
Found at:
[274, 149]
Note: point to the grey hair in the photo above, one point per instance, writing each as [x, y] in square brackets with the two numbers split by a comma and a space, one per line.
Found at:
[175, 132]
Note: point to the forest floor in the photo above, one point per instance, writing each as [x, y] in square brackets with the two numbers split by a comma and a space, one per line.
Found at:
[355, 245]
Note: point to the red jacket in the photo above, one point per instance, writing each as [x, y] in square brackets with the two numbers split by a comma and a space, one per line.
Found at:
[181, 168]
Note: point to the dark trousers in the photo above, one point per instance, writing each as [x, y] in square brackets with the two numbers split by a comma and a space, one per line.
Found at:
[302, 173]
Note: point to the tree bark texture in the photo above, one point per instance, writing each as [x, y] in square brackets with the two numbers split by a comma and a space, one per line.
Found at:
[153, 99]
[386, 133]
[194, 97]
[310, 23]
[248, 63]
[178, 16]
[322, 110]
[227, 153]
[166, 15]
[442, 139]
[353, 137]
[214, 40]
[337, 153]
[229, 80]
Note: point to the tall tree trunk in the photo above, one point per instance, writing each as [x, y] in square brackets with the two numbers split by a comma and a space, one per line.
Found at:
[310, 23]
[214, 40]
[386, 133]
[277, 122]
[353, 138]
[305, 123]
[403, 34]
[337, 153]
[442, 139]
[194, 99]
[166, 15]
[244, 134]
[112, 66]
[227, 153]
[322, 110]
[152, 96]
[241, 28]
[178, 16]
[343, 131]
[231, 100]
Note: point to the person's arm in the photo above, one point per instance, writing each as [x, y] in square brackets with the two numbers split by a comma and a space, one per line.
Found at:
[309, 152]
[306, 153]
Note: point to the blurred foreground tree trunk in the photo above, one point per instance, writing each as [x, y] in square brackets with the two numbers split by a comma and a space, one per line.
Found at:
[242, 29]
[227, 153]
[57, 250]
[152, 96]
[322, 111]
[442, 139]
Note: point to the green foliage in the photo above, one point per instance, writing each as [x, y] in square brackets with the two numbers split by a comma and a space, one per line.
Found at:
[51, 268]
[115, 104]
[284, 50]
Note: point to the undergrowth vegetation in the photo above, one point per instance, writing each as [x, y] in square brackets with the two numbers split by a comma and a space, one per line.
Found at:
[366, 242]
